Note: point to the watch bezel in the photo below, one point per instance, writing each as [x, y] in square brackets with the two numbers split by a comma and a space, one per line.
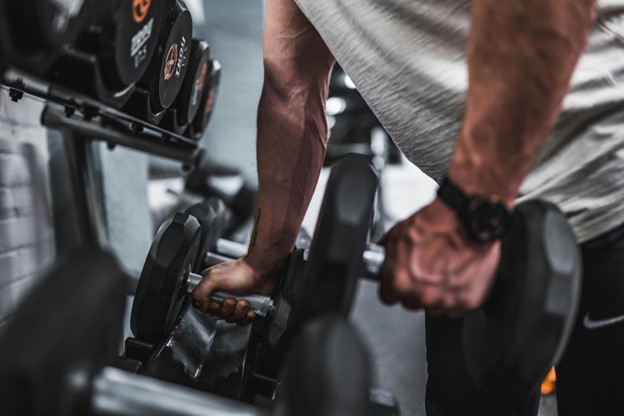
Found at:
[478, 203]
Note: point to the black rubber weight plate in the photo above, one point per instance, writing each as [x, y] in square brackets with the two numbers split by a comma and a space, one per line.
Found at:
[192, 91]
[138, 24]
[209, 98]
[162, 286]
[174, 63]
[212, 216]
[339, 241]
[63, 333]
[520, 333]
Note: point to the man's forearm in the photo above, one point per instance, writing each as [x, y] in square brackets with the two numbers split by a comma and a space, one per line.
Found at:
[292, 130]
[521, 56]
[292, 138]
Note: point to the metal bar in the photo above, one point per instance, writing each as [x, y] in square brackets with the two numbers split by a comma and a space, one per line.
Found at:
[373, 257]
[117, 392]
[231, 248]
[57, 119]
[87, 204]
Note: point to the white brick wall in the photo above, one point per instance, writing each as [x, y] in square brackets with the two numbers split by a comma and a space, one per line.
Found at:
[26, 228]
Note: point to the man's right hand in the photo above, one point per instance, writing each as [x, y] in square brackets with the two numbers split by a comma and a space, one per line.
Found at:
[237, 277]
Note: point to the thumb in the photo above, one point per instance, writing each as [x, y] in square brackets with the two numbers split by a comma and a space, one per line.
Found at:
[208, 285]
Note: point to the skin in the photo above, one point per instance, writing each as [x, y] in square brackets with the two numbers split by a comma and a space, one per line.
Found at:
[521, 56]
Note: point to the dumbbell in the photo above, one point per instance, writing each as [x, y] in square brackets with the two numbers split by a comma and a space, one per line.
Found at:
[509, 343]
[189, 99]
[123, 35]
[69, 375]
[327, 277]
[33, 32]
[522, 329]
[168, 67]
[207, 102]
[263, 305]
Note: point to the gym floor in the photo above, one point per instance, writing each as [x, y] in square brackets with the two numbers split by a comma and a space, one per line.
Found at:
[395, 336]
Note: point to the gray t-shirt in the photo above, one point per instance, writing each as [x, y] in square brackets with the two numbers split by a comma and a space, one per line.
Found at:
[407, 58]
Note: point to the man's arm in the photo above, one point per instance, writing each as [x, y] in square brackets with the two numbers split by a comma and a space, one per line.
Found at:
[292, 130]
[292, 138]
[521, 56]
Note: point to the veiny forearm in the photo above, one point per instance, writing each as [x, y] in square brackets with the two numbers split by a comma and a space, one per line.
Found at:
[521, 56]
[292, 130]
[292, 138]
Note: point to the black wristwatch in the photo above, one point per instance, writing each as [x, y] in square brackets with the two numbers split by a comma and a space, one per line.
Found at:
[485, 218]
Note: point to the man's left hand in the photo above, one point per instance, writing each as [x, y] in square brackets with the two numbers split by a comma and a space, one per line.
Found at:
[431, 264]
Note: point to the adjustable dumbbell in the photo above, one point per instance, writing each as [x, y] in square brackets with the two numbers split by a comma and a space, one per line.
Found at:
[123, 35]
[68, 375]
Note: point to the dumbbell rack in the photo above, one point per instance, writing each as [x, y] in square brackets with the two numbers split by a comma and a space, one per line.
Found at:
[81, 121]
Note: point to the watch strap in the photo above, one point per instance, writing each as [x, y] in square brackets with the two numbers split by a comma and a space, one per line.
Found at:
[453, 196]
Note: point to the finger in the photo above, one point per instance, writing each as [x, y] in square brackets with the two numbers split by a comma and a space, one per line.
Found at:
[205, 288]
[411, 303]
[249, 318]
[386, 290]
[227, 308]
[240, 311]
[213, 307]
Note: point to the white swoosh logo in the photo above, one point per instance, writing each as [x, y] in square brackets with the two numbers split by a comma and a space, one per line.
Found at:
[591, 324]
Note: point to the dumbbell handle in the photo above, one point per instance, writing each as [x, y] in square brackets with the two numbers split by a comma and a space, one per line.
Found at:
[373, 259]
[118, 392]
[261, 305]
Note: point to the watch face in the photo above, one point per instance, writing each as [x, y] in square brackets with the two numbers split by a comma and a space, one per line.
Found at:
[487, 221]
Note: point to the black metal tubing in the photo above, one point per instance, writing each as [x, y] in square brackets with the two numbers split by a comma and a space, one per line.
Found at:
[86, 193]
[89, 130]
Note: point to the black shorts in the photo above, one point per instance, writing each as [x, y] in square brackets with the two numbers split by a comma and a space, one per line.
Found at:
[590, 377]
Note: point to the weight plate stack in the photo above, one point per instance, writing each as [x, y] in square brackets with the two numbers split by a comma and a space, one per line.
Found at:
[189, 99]
[213, 218]
[124, 35]
[162, 288]
[168, 67]
[521, 331]
[204, 113]
[339, 241]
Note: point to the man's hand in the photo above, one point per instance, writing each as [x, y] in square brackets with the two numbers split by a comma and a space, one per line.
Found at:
[432, 264]
[237, 277]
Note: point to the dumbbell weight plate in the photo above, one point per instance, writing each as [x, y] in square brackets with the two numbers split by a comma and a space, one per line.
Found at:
[189, 99]
[162, 290]
[204, 113]
[212, 216]
[168, 68]
[521, 331]
[41, 372]
[124, 35]
[335, 257]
